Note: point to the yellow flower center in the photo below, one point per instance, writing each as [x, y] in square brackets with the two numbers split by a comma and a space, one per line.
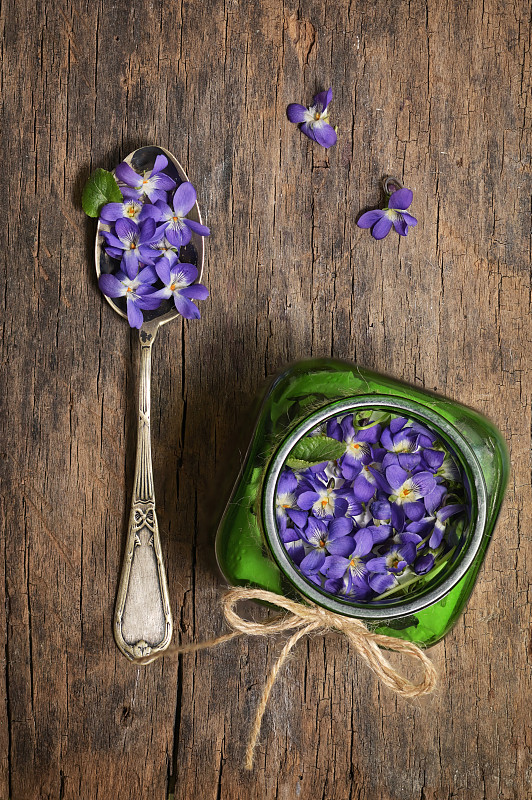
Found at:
[172, 287]
[317, 115]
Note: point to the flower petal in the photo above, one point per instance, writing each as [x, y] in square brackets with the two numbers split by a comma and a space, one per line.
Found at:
[423, 564]
[414, 511]
[160, 163]
[339, 527]
[307, 499]
[112, 211]
[381, 228]
[401, 199]
[409, 219]
[186, 307]
[313, 561]
[111, 286]
[126, 229]
[380, 583]
[125, 173]
[308, 131]
[369, 218]
[400, 226]
[163, 271]
[323, 99]
[396, 476]
[184, 198]
[195, 292]
[364, 542]
[178, 237]
[184, 274]
[201, 230]
[335, 566]
[424, 482]
[296, 113]
[325, 135]
[134, 315]
[299, 518]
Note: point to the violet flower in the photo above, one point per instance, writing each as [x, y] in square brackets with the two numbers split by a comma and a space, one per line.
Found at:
[286, 497]
[178, 229]
[179, 283]
[137, 291]
[151, 183]
[351, 568]
[325, 539]
[322, 499]
[131, 244]
[131, 209]
[314, 121]
[394, 214]
[392, 563]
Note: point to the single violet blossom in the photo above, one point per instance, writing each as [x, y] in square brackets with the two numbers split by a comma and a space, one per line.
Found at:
[130, 242]
[314, 121]
[152, 183]
[138, 292]
[351, 568]
[131, 209]
[381, 220]
[323, 539]
[177, 228]
[179, 283]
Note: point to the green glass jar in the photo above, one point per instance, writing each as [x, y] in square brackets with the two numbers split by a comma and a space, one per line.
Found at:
[248, 545]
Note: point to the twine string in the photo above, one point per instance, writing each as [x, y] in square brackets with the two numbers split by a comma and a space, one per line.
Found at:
[302, 620]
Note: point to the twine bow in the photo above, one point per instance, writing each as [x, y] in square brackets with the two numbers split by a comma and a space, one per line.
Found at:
[304, 620]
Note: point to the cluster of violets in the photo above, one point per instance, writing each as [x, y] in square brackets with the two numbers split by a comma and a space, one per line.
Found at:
[146, 232]
[380, 518]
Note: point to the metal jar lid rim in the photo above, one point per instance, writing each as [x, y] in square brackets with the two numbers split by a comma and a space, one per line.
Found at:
[399, 608]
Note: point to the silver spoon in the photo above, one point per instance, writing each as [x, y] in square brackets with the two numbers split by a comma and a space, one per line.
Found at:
[143, 618]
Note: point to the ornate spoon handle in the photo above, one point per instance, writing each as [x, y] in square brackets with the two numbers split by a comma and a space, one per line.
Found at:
[143, 620]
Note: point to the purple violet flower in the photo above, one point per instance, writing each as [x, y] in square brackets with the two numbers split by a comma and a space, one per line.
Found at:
[151, 183]
[322, 499]
[178, 229]
[325, 539]
[314, 121]
[392, 563]
[179, 283]
[394, 214]
[441, 521]
[131, 209]
[286, 497]
[131, 244]
[351, 568]
[137, 291]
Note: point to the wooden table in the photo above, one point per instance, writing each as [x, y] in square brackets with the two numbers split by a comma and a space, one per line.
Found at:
[437, 93]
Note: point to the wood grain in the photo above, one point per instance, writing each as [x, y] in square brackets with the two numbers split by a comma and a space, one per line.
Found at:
[436, 92]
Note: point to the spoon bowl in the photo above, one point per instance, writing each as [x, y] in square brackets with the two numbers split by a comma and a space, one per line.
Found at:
[142, 160]
[143, 618]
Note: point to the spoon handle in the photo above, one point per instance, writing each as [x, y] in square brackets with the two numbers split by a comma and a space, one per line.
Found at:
[143, 619]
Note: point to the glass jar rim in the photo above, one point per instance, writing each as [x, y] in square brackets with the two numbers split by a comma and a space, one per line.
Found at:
[407, 605]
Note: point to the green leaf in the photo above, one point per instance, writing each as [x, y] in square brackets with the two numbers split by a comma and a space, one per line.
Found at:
[314, 450]
[101, 188]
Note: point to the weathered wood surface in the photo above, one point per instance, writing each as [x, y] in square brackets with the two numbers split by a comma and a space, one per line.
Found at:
[436, 92]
